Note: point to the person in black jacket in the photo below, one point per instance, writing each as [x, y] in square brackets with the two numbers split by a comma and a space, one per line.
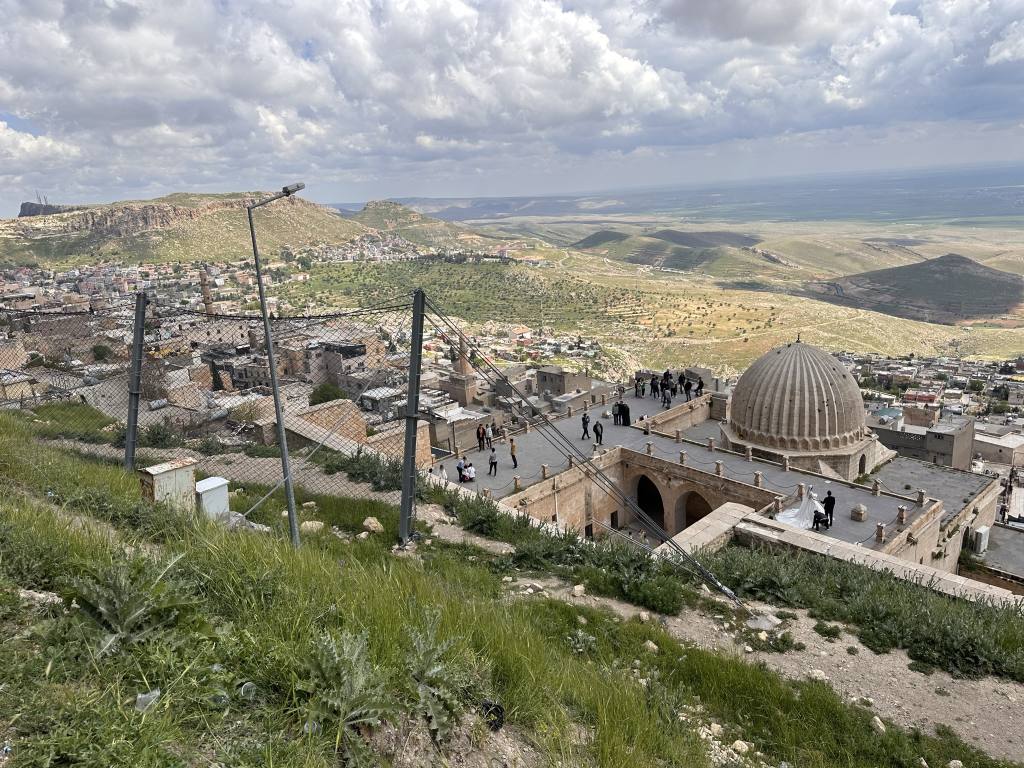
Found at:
[829, 503]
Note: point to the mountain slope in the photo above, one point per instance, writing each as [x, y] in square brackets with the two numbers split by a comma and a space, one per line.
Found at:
[178, 227]
[948, 289]
[394, 218]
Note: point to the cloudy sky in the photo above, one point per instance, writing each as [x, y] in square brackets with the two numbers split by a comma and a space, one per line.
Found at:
[110, 99]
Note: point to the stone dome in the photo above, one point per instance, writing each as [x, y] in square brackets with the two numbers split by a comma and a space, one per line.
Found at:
[798, 398]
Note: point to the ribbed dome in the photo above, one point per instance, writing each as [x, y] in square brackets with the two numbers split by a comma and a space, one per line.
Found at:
[798, 398]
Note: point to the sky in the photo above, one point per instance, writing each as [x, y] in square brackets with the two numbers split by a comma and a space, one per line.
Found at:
[122, 99]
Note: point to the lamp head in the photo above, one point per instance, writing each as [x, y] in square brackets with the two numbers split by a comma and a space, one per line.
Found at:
[291, 189]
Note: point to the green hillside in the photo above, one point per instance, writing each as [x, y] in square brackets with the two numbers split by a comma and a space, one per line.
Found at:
[948, 289]
[393, 218]
[178, 227]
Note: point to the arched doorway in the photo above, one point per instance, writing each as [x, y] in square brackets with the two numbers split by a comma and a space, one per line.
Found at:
[648, 498]
[862, 467]
[691, 508]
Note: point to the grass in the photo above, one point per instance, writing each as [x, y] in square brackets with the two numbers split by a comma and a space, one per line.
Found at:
[964, 638]
[76, 421]
[262, 608]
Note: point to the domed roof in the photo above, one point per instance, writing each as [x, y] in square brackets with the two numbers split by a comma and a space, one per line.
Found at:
[798, 398]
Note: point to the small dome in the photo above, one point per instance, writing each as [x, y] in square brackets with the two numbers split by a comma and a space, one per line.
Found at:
[798, 398]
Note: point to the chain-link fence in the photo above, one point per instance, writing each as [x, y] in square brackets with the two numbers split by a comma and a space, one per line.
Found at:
[205, 397]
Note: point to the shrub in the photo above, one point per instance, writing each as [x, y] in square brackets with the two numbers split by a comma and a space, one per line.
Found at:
[324, 393]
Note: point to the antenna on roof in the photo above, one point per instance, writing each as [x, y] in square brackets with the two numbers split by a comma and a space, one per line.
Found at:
[798, 336]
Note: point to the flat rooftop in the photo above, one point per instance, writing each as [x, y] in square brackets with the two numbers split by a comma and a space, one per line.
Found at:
[953, 486]
[537, 448]
[1005, 550]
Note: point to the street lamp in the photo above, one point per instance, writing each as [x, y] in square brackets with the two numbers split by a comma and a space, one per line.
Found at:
[289, 492]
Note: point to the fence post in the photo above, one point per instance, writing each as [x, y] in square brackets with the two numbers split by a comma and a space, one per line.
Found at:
[412, 407]
[282, 440]
[131, 432]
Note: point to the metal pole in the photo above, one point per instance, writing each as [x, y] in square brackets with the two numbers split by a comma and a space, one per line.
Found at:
[412, 407]
[282, 441]
[131, 432]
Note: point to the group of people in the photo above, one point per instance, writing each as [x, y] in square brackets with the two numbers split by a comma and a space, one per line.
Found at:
[464, 467]
[485, 435]
[668, 387]
[598, 429]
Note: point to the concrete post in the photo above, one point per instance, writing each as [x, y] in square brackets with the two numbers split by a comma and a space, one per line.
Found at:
[543, 471]
[527, 430]
[876, 488]
[487, 493]
[920, 497]
[777, 506]
[570, 461]
[650, 448]
[801, 490]
[568, 411]
[749, 452]
[682, 458]
[604, 399]
[711, 444]
[517, 484]
[718, 468]
[679, 435]
[901, 514]
[880, 532]
[647, 426]
[594, 452]
[759, 479]
[785, 463]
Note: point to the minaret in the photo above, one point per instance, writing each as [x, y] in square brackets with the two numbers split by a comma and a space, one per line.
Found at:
[204, 282]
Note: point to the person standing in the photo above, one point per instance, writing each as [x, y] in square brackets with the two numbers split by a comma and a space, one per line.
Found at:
[586, 426]
[492, 461]
[481, 436]
[489, 435]
[598, 433]
[460, 468]
[687, 387]
[512, 452]
[700, 386]
[443, 474]
[654, 386]
[615, 413]
[636, 386]
[829, 503]
[643, 388]
[624, 415]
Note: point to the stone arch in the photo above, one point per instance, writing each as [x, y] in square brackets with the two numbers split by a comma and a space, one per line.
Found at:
[862, 465]
[648, 498]
[690, 508]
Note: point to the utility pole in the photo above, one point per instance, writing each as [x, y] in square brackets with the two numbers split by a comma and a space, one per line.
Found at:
[131, 433]
[412, 407]
[282, 441]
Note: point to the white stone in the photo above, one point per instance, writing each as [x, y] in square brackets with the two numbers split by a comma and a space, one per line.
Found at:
[644, 616]
[748, 649]
[762, 636]
[716, 729]
[651, 646]
[817, 674]
[311, 526]
[309, 505]
[372, 524]
[363, 535]
[581, 620]
[740, 747]
[954, 764]
[506, 579]
[579, 590]
[877, 724]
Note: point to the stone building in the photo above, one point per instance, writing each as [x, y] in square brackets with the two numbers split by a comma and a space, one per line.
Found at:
[799, 403]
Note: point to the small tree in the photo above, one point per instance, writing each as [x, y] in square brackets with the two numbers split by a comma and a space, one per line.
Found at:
[101, 352]
[324, 393]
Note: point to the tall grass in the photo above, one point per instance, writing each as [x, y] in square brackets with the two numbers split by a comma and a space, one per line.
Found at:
[967, 639]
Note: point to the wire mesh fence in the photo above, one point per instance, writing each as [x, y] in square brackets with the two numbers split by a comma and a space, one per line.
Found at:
[205, 396]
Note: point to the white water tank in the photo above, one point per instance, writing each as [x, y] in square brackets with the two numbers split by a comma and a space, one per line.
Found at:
[212, 498]
[980, 539]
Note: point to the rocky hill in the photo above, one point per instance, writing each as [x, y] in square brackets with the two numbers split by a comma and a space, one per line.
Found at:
[178, 227]
[949, 289]
[397, 219]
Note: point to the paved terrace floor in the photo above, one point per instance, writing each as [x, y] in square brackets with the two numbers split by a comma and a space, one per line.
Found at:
[535, 449]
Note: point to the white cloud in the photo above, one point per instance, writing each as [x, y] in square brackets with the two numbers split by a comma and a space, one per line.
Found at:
[229, 94]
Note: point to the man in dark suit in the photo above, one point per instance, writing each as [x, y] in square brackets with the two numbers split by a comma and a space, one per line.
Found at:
[829, 503]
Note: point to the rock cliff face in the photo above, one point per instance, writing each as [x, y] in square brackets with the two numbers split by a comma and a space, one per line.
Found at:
[127, 219]
[45, 209]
